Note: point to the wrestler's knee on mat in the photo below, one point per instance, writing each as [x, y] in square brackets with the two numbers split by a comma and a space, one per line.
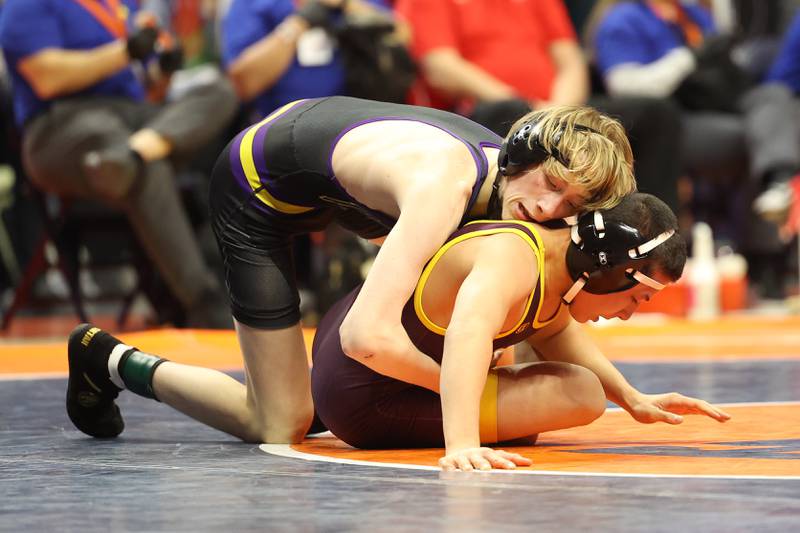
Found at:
[281, 427]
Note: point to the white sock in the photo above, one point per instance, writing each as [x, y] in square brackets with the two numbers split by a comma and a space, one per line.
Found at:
[113, 363]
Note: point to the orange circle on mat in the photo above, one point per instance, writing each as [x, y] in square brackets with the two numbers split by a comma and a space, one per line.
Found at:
[761, 440]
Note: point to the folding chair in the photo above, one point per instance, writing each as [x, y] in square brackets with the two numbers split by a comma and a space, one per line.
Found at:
[67, 224]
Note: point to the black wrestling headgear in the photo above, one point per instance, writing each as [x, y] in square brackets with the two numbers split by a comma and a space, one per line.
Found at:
[604, 257]
[517, 154]
[524, 148]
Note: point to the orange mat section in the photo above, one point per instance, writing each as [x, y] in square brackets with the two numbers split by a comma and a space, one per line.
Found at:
[759, 440]
[208, 348]
[730, 337]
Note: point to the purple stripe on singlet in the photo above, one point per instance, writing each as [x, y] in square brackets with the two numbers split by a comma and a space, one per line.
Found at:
[484, 159]
[258, 150]
[236, 162]
[482, 175]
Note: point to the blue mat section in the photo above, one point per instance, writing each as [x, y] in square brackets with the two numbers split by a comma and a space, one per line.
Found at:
[169, 473]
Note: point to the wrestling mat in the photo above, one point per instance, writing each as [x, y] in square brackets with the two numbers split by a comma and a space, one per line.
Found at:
[761, 441]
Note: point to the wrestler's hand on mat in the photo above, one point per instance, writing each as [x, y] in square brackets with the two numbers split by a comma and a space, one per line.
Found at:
[470, 459]
[669, 407]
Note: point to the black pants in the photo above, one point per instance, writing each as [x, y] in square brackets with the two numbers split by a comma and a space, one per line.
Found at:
[56, 141]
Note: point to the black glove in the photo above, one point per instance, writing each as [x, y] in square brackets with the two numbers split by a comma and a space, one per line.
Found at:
[715, 49]
[707, 89]
[171, 59]
[717, 83]
[316, 13]
[142, 42]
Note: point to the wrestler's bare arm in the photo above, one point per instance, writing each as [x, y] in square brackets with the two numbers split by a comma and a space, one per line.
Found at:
[431, 196]
[492, 289]
[567, 341]
[372, 332]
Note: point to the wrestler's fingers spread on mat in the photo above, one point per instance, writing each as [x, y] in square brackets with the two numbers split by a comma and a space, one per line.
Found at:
[496, 460]
[463, 462]
[515, 458]
[702, 407]
[480, 459]
[662, 415]
[488, 458]
[678, 403]
[649, 413]
[447, 464]
[724, 415]
[459, 461]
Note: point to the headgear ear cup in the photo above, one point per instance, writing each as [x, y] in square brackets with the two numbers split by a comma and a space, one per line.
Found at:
[518, 152]
[524, 148]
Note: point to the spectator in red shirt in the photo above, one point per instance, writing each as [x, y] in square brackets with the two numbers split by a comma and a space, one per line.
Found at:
[494, 61]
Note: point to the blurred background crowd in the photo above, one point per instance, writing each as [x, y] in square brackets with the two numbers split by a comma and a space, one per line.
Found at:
[113, 113]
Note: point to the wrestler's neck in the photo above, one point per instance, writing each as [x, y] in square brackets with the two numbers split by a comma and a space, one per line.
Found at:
[482, 202]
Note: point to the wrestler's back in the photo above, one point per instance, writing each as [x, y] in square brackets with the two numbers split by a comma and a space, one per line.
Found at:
[377, 151]
[380, 162]
[427, 314]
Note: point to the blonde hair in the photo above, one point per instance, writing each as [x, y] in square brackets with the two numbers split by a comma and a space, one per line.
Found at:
[600, 161]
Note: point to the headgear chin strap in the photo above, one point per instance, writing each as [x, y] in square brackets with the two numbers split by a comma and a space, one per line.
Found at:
[603, 257]
[494, 208]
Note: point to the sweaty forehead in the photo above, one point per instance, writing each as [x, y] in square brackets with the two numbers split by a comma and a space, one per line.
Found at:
[566, 185]
[576, 193]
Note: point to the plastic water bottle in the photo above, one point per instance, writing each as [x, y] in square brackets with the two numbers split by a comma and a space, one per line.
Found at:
[703, 274]
[732, 269]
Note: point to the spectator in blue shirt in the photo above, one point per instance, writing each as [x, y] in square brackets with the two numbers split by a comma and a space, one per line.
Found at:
[666, 48]
[88, 131]
[277, 51]
[786, 66]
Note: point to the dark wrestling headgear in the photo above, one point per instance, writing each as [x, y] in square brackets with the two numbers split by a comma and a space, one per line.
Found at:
[517, 154]
[604, 257]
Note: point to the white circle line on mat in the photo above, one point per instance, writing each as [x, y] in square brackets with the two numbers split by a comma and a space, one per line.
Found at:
[285, 450]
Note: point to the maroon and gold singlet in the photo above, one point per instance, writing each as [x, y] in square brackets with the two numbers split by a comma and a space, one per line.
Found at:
[370, 410]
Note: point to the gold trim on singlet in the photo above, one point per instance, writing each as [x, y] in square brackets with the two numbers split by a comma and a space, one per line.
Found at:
[538, 249]
[249, 166]
[488, 409]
